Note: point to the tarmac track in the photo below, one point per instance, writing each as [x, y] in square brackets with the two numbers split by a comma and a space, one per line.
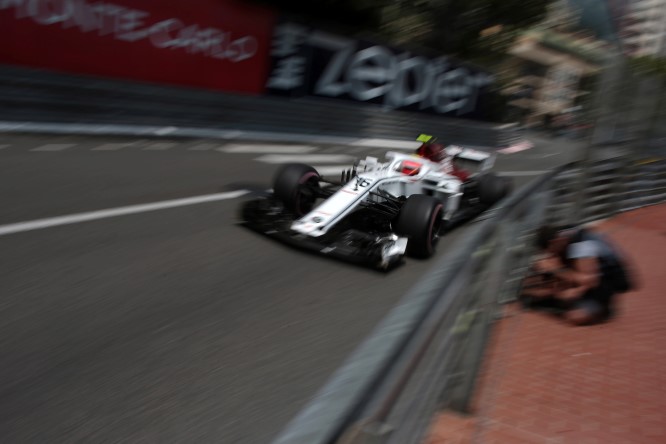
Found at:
[175, 325]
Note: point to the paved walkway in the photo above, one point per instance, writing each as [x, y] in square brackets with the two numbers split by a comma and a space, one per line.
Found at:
[547, 382]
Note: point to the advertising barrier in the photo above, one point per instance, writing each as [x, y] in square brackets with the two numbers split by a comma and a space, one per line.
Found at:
[219, 44]
[234, 46]
[307, 61]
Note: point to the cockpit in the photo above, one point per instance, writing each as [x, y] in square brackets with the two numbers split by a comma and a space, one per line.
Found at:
[409, 167]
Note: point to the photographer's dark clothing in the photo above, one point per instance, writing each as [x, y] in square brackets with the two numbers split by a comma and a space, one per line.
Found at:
[597, 300]
[611, 261]
[613, 276]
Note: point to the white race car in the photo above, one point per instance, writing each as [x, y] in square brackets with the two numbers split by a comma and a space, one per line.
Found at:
[378, 211]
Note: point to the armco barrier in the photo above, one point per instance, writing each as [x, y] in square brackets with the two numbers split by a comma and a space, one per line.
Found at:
[426, 354]
[32, 95]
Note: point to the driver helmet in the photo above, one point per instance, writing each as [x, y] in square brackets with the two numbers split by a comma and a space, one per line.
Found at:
[435, 152]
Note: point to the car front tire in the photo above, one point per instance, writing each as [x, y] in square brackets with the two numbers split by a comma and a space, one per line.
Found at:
[420, 220]
[296, 185]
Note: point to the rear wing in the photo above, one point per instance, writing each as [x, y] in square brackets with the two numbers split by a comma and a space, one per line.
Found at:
[481, 159]
[484, 160]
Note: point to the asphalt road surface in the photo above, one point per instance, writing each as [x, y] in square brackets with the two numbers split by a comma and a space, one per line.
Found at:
[175, 325]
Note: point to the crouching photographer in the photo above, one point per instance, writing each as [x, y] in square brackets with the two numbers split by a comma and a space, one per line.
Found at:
[578, 274]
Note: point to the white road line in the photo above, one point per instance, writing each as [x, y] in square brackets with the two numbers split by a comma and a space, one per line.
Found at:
[387, 143]
[520, 173]
[2, 147]
[202, 147]
[337, 149]
[54, 147]
[111, 146]
[166, 130]
[522, 146]
[305, 158]
[506, 125]
[114, 212]
[332, 170]
[159, 146]
[267, 149]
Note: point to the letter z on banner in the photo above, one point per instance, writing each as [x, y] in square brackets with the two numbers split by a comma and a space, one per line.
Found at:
[217, 44]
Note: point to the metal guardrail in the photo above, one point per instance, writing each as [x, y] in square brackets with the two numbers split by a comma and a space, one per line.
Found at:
[426, 354]
[645, 185]
[439, 368]
[429, 347]
[608, 187]
[33, 95]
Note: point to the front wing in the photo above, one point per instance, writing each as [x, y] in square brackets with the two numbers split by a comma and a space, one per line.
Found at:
[267, 216]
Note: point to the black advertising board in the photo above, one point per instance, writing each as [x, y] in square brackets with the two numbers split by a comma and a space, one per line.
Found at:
[306, 61]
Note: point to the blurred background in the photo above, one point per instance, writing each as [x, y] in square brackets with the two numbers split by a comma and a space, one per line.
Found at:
[135, 308]
[557, 66]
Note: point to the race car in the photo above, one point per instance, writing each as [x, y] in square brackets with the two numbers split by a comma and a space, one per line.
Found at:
[378, 212]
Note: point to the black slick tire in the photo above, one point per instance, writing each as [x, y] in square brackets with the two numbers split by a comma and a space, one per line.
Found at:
[296, 186]
[420, 220]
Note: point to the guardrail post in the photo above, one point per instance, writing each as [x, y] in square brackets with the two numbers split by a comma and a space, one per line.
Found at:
[518, 241]
[561, 209]
[620, 187]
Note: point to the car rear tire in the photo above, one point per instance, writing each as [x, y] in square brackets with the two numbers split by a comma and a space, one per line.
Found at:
[420, 220]
[493, 188]
[296, 185]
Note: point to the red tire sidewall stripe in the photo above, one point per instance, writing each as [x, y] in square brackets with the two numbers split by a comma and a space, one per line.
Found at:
[303, 180]
[434, 216]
